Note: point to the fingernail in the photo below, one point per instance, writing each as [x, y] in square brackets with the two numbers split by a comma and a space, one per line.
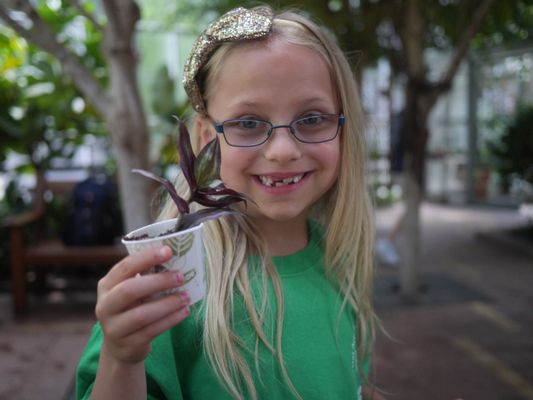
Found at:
[184, 296]
[164, 251]
[179, 277]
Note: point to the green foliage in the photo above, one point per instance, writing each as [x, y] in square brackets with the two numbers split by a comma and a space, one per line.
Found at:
[189, 14]
[12, 202]
[42, 115]
[76, 32]
[383, 194]
[368, 29]
[509, 23]
[513, 153]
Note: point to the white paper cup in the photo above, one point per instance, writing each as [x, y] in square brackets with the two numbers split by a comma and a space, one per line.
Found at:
[187, 249]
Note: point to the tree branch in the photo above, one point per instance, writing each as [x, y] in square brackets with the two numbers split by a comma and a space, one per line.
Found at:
[464, 42]
[77, 5]
[40, 34]
[413, 36]
[122, 16]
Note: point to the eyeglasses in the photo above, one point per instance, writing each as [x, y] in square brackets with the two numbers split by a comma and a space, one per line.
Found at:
[249, 132]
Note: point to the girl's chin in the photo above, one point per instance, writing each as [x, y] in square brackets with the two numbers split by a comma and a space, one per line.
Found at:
[278, 215]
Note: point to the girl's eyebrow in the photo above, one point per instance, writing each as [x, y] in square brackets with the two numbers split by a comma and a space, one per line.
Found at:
[247, 103]
[319, 100]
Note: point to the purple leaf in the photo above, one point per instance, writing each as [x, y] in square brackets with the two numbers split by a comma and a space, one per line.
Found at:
[210, 201]
[206, 214]
[182, 205]
[187, 158]
[222, 190]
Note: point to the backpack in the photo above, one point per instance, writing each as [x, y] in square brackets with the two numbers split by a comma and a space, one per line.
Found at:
[93, 215]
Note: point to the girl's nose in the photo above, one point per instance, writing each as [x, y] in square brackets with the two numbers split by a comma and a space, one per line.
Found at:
[282, 146]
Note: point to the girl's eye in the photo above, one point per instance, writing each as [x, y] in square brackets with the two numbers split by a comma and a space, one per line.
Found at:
[312, 120]
[248, 124]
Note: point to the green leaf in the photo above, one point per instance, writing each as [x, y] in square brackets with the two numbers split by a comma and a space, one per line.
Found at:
[187, 158]
[207, 164]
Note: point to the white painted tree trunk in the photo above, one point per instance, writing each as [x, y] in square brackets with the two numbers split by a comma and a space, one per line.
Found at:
[421, 96]
[129, 132]
[130, 147]
[409, 240]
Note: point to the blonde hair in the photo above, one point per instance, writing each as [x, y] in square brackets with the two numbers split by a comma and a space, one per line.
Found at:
[345, 212]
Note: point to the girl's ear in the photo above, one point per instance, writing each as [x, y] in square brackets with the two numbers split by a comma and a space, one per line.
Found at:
[204, 128]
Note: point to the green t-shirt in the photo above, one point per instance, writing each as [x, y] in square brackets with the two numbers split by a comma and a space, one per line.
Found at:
[319, 348]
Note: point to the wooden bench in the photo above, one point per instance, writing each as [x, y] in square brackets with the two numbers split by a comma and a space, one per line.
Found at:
[47, 252]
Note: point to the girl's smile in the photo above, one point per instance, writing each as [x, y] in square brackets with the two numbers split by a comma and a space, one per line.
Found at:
[281, 180]
[278, 82]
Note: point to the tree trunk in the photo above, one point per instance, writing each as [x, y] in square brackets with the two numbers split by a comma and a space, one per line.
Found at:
[416, 136]
[409, 238]
[135, 191]
[126, 120]
[412, 33]
[421, 96]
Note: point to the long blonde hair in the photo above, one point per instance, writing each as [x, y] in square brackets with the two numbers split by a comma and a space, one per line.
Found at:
[345, 213]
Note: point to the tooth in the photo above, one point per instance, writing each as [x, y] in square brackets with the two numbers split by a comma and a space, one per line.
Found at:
[297, 178]
[287, 180]
[265, 180]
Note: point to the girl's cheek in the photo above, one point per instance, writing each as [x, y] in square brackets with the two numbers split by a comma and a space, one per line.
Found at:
[232, 164]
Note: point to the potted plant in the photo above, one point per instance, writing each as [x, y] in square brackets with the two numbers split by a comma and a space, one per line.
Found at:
[183, 234]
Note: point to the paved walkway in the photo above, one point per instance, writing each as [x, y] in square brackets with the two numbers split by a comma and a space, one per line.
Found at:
[470, 337]
[38, 354]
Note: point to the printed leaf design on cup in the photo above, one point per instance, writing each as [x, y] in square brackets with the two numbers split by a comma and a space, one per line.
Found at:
[189, 276]
[180, 245]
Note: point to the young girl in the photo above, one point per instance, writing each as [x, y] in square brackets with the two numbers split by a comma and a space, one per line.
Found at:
[288, 312]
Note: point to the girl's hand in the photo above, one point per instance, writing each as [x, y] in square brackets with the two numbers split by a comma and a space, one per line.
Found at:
[129, 316]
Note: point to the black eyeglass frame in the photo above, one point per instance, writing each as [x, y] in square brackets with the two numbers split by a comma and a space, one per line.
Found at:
[219, 128]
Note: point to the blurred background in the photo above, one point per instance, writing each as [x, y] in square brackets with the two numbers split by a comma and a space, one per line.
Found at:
[90, 89]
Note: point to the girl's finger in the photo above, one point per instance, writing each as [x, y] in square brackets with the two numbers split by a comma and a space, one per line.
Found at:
[133, 291]
[138, 318]
[149, 332]
[133, 265]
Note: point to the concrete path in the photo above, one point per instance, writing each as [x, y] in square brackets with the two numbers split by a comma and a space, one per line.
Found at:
[39, 354]
[471, 335]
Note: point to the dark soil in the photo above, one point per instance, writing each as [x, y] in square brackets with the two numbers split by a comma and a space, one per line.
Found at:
[146, 236]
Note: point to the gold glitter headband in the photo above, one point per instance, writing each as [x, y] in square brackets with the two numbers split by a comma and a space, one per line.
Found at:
[236, 25]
